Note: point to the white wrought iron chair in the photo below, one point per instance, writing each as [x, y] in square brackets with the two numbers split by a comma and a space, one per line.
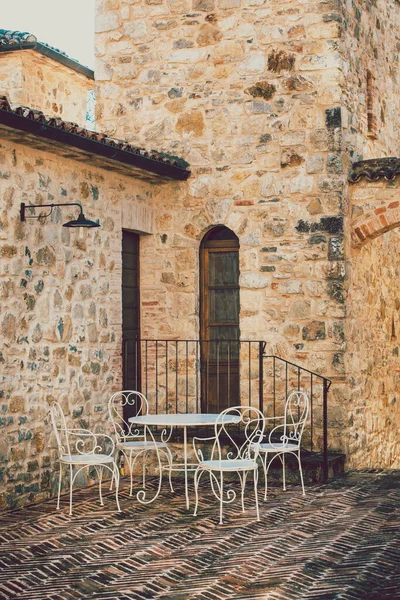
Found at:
[82, 448]
[289, 434]
[131, 441]
[240, 459]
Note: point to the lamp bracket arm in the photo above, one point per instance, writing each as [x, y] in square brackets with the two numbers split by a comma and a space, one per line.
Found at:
[24, 216]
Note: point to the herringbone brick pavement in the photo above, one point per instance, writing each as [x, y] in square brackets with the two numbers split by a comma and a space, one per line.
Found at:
[340, 542]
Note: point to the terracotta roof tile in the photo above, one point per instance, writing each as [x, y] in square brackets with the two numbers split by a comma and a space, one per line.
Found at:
[374, 169]
[16, 38]
[55, 123]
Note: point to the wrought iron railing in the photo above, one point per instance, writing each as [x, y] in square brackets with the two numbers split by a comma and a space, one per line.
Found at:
[187, 376]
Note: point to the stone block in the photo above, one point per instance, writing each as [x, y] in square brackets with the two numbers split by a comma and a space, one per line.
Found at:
[191, 123]
[315, 164]
[314, 330]
[228, 4]
[320, 62]
[279, 60]
[271, 186]
[106, 21]
[291, 287]
[187, 55]
[253, 281]
[204, 5]
[104, 71]
[136, 30]
[253, 64]
[17, 404]
[300, 309]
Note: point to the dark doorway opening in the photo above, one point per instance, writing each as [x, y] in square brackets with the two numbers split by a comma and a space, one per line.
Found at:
[219, 319]
[130, 312]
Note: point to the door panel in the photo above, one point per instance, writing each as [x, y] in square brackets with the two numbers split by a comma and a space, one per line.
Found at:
[130, 312]
[223, 268]
[220, 308]
[223, 306]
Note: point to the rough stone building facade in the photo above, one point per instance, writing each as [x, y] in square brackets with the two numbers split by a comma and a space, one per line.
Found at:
[60, 290]
[271, 104]
[44, 78]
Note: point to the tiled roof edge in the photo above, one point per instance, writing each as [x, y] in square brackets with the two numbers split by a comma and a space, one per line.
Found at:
[37, 123]
[23, 40]
[375, 169]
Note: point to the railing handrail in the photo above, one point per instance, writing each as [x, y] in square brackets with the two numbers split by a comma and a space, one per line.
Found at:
[198, 340]
[299, 367]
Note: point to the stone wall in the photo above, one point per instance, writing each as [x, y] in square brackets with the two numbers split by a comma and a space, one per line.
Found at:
[31, 79]
[373, 340]
[371, 43]
[60, 306]
[248, 93]
[372, 330]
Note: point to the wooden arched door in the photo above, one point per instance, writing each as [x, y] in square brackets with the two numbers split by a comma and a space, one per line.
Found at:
[219, 319]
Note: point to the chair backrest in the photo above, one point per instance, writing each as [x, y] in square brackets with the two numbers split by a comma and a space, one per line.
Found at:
[250, 422]
[60, 428]
[296, 415]
[121, 406]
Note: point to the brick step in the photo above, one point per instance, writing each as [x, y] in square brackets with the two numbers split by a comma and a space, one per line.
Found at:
[312, 463]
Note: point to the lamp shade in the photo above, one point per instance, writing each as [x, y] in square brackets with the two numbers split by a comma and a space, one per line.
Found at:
[81, 221]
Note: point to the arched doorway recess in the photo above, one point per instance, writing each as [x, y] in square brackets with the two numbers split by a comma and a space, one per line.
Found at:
[219, 319]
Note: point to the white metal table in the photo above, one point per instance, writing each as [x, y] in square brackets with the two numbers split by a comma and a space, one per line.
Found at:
[171, 421]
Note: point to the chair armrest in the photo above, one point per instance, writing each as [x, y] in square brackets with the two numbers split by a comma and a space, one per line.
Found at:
[86, 437]
[282, 439]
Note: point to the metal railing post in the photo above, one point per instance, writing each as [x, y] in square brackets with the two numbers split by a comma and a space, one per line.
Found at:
[325, 428]
[261, 376]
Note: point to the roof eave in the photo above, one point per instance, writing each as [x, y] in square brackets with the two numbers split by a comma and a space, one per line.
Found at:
[91, 146]
[51, 53]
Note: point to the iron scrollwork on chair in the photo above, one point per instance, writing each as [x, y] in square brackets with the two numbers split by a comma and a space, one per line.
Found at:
[132, 441]
[289, 434]
[240, 459]
[82, 448]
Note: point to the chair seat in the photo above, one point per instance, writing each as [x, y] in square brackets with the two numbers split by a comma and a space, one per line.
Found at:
[240, 464]
[140, 445]
[279, 447]
[87, 459]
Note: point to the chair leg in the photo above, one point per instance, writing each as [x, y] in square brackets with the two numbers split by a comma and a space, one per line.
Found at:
[221, 500]
[266, 469]
[301, 472]
[100, 476]
[131, 463]
[59, 487]
[71, 483]
[169, 458]
[196, 490]
[284, 472]
[112, 474]
[265, 475]
[243, 477]
[115, 470]
[144, 470]
[256, 492]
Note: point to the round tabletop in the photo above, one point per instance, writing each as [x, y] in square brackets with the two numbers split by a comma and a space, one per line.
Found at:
[180, 420]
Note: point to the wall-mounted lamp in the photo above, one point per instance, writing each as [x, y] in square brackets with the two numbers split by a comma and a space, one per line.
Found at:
[81, 221]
